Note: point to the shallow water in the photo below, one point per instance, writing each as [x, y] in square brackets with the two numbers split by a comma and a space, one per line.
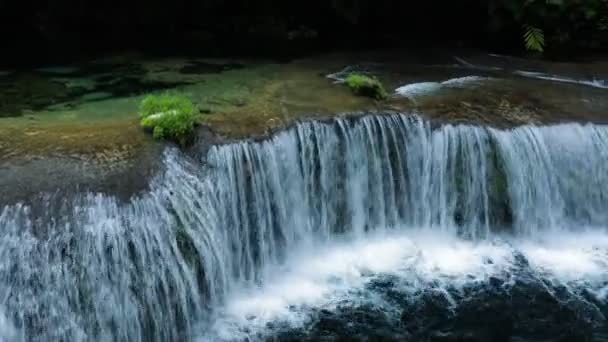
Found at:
[64, 87]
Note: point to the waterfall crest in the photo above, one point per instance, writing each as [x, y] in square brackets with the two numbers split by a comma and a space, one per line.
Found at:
[90, 268]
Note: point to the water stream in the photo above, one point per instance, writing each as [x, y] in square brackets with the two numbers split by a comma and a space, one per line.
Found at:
[266, 240]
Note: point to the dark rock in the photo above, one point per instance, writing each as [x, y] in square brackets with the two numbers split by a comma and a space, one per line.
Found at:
[496, 282]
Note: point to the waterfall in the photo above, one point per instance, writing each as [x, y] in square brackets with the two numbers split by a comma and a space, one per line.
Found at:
[382, 172]
[89, 267]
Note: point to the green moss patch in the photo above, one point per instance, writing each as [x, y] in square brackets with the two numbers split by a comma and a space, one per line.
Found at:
[364, 85]
[168, 116]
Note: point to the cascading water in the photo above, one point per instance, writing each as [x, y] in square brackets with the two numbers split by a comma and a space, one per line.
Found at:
[265, 236]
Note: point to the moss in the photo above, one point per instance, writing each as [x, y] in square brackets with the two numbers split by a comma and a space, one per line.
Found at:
[154, 104]
[364, 85]
[168, 116]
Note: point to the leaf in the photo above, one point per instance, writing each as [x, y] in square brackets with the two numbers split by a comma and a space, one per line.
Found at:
[534, 38]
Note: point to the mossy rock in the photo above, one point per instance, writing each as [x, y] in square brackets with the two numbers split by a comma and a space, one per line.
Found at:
[168, 117]
[364, 85]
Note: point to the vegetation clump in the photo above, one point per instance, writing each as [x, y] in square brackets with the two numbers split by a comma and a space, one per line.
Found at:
[168, 116]
[364, 85]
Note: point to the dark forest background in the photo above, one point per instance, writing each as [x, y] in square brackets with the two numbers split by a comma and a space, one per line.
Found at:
[37, 31]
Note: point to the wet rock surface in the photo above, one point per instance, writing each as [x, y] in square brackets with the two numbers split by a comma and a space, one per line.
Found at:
[122, 173]
[27, 181]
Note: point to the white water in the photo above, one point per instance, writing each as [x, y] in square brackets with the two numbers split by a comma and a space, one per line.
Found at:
[335, 275]
[266, 231]
[414, 90]
[542, 76]
[596, 83]
[331, 275]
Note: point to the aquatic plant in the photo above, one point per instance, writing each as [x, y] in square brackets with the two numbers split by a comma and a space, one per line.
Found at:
[365, 85]
[168, 116]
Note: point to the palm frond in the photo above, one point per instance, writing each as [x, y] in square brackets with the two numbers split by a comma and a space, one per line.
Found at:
[534, 38]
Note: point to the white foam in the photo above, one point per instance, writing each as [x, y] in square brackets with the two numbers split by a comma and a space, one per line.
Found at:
[424, 88]
[310, 278]
[331, 274]
[596, 83]
[570, 257]
[416, 89]
[464, 81]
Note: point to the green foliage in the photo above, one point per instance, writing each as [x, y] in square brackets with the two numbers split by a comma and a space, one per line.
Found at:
[365, 85]
[158, 132]
[534, 38]
[555, 24]
[168, 117]
[154, 104]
